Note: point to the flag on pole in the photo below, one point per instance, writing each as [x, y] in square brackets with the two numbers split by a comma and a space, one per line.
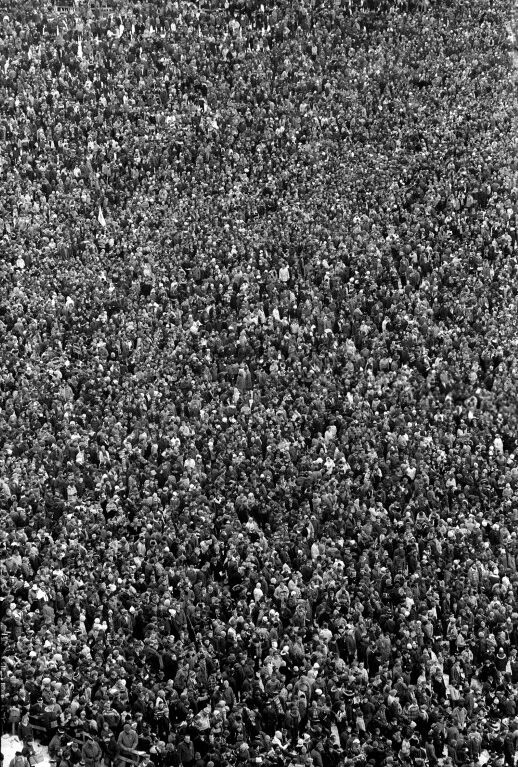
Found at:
[101, 218]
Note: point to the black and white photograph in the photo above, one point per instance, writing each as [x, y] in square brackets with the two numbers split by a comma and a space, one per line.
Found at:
[259, 383]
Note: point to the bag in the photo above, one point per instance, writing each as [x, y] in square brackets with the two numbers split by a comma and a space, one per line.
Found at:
[36, 758]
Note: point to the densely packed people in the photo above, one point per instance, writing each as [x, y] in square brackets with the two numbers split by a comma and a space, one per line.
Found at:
[258, 469]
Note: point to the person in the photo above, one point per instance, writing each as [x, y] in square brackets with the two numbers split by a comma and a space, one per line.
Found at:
[186, 752]
[127, 740]
[91, 753]
[57, 742]
[25, 731]
[19, 760]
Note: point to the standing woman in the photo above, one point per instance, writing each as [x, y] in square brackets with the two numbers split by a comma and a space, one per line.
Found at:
[26, 735]
[25, 732]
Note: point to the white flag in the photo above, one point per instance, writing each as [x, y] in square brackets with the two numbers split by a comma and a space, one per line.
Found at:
[80, 49]
[101, 218]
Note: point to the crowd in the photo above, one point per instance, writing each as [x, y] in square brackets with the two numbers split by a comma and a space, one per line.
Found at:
[258, 383]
